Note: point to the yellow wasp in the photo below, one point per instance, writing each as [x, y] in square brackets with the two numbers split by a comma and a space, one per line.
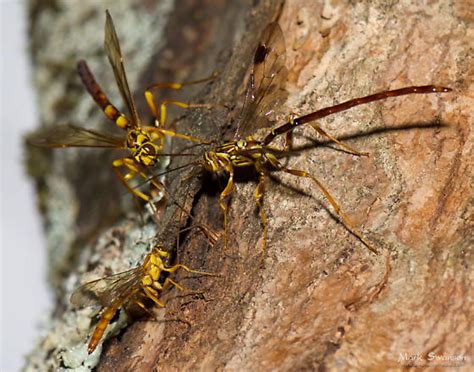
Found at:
[143, 142]
[113, 292]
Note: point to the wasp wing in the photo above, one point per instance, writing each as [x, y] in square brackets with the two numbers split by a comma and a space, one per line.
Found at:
[72, 136]
[112, 48]
[266, 87]
[105, 290]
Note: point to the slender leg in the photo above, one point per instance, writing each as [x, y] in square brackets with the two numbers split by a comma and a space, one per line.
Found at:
[178, 320]
[152, 315]
[142, 305]
[211, 235]
[161, 114]
[172, 269]
[160, 133]
[152, 294]
[259, 192]
[165, 103]
[288, 141]
[289, 135]
[322, 132]
[329, 197]
[226, 192]
[169, 282]
[348, 148]
[125, 178]
[133, 171]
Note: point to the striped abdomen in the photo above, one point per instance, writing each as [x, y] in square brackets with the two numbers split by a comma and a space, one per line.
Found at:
[99, 96]
[105, 319]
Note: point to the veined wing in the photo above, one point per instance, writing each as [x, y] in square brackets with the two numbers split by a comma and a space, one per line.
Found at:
[266, 88]
[72, 136]
[112, 48]
[105, 290]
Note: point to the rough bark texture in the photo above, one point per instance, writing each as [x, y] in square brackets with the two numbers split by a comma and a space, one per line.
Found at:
[322, 300]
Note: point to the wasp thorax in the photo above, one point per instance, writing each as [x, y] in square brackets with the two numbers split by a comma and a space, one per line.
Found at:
[144, 151]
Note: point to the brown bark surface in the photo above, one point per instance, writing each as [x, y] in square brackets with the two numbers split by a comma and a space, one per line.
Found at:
[322, 300]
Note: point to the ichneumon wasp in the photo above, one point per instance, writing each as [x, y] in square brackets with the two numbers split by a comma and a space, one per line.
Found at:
[133, 286]
[264, 98]
[143, 142]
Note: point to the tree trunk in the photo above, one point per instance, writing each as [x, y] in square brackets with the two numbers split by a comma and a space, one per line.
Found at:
[321, 300]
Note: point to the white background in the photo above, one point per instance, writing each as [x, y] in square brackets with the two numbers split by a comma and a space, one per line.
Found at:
[24, 296]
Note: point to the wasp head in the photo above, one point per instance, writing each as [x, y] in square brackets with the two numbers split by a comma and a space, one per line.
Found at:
[143, 149]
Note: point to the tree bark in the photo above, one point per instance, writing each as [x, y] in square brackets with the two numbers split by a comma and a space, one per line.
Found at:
[321, 300]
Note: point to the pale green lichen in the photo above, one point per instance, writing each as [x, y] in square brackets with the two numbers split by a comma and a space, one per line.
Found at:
[61, 216]
[61, 35]
[66, 339]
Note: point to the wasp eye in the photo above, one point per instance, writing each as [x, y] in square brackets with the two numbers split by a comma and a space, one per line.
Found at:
[149, 149]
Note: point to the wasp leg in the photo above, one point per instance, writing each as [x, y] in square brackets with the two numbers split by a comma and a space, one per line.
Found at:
[289, 135]
[341, 144]
[147, 310]
[172, 269]
[211, 235]
[169, 282]
[322, 132]
[299, 173]
[258, 195]
[153, 295]
[160, 133]
[161, 113]
[151, 314]
[226, 192]
[288, 141]
[165, 103]
[133, 170]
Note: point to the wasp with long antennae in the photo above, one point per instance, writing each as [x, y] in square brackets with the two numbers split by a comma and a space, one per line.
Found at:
[265, 96]
[143, 142]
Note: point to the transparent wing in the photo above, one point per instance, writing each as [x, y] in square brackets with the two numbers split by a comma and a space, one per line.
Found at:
[266, 88]
[105, 290]
[72, 136]
[112, 48]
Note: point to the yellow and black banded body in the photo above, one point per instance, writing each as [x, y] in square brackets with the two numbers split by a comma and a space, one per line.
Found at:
[105, 319]
[113, 292]
[100, 97]
[144, 143]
